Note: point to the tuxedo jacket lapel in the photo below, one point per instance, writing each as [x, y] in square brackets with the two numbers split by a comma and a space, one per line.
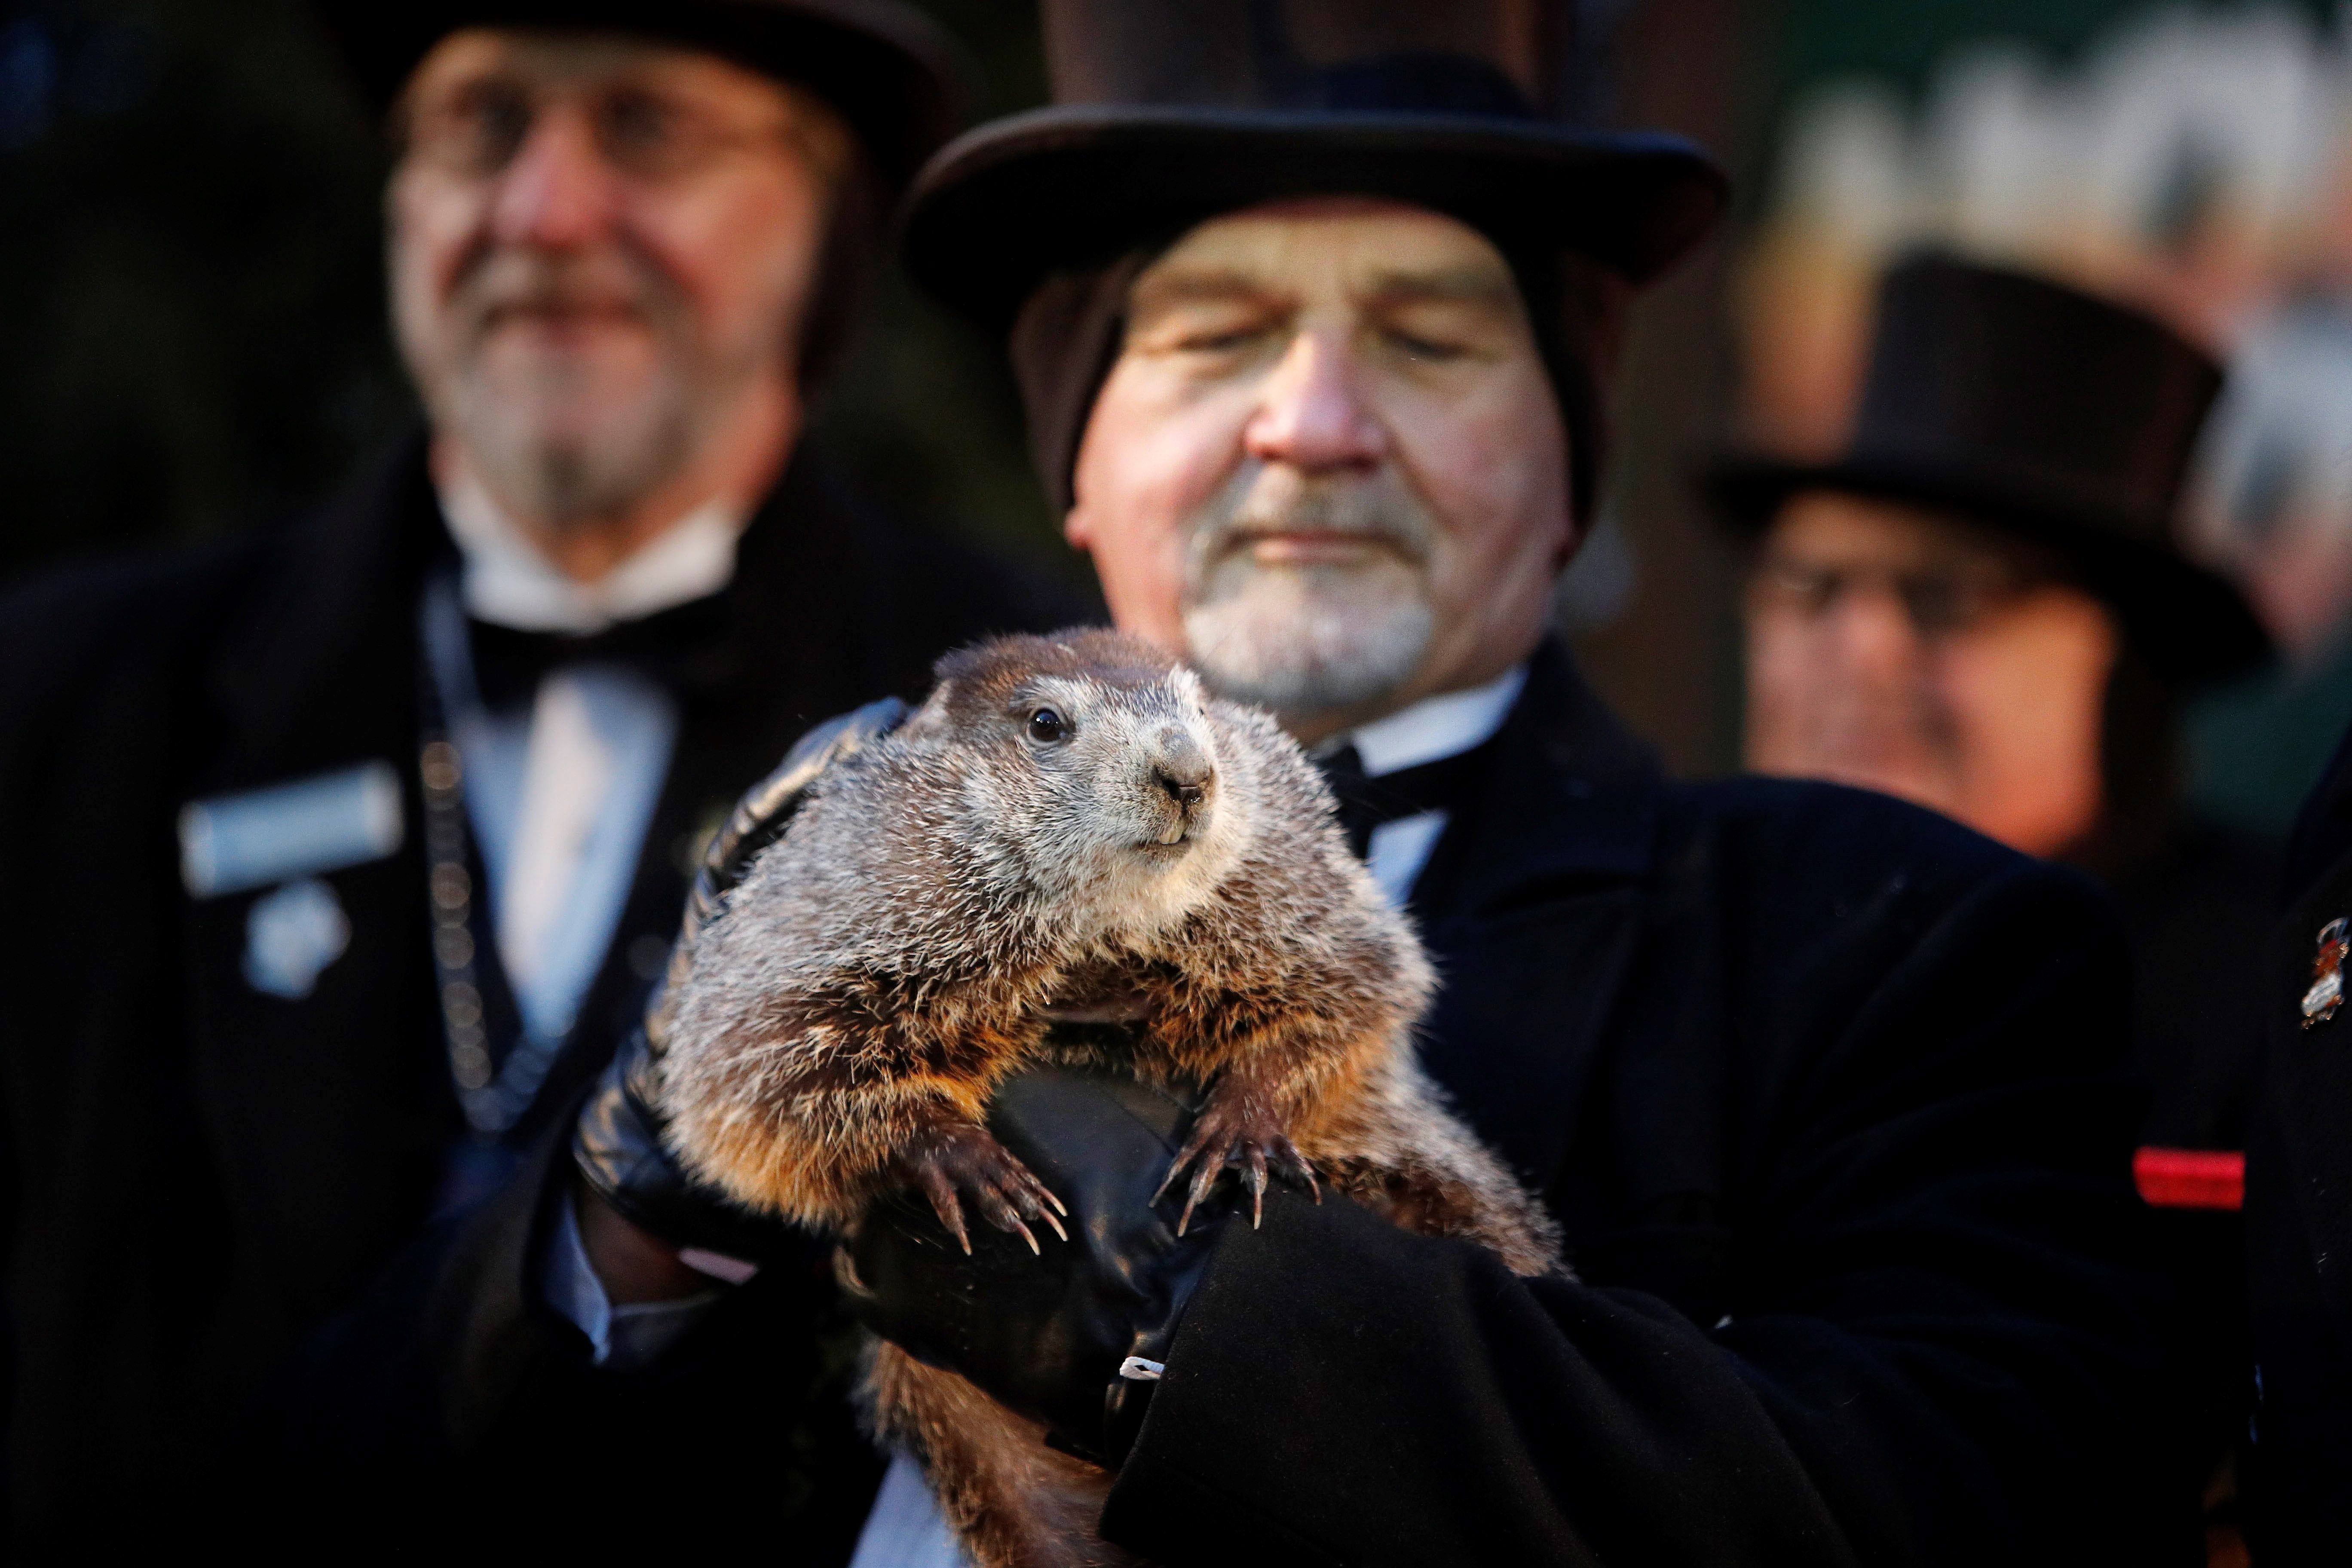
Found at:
[1532, 905]
[328, 1111]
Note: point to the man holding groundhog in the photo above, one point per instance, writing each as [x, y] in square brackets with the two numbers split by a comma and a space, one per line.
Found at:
[1310, 306]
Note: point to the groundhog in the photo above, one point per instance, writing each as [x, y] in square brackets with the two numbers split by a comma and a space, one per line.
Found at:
[1067, 827]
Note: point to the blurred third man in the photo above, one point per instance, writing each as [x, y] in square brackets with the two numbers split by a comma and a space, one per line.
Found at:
[1982, 606]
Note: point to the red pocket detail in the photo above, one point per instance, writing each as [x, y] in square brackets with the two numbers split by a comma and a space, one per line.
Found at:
[2190, 1178]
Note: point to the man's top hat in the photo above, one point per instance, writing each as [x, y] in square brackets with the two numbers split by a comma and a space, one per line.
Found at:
[1170, 112]
[2049, 415]
[886, 69]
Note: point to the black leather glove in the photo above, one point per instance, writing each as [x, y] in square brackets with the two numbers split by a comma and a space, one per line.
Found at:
[1076, 1336]
[617, 1140]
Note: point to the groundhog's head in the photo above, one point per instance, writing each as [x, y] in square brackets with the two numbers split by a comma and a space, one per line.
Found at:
[1098, 777]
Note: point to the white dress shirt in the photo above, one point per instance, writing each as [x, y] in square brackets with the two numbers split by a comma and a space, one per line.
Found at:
[558, 796]
[1431, 730]
[559, 799]
[508, 582]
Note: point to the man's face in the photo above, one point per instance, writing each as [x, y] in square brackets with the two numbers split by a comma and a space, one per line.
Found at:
[1905, 652]
[1327, 466]
[600, 253]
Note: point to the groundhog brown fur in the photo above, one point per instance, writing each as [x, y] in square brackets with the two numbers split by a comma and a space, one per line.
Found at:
[1068, 827]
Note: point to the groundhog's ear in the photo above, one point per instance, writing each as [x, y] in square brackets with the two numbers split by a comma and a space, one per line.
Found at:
[932, 716]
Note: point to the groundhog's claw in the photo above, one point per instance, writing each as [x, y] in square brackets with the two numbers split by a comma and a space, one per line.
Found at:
[1294, 1164]
[1205, 1178]
[958, 1160]
[1236, 1127]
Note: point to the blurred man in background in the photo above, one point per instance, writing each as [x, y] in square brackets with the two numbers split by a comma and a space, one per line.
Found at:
[384, 819]
[1982, 606]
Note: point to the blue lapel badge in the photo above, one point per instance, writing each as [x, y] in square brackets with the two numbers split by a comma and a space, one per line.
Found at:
[229, 843]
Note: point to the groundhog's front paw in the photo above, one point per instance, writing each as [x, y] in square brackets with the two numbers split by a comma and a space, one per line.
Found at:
[955, 1157]
[1237, 1126]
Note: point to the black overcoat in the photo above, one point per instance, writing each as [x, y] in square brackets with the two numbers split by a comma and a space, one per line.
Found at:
[198, 1175]
[1826, 1092]
[2298, 1486]
[2198, 909]
[1829, 1096]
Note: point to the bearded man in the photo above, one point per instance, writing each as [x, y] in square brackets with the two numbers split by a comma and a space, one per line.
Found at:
[387, 815]
[1310, 307]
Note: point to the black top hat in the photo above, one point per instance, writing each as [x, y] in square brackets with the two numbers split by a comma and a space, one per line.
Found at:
[1170, 112]
[886, 69]
[2045, 412]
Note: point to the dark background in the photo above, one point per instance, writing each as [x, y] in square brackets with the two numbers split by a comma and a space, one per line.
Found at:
[191, 336]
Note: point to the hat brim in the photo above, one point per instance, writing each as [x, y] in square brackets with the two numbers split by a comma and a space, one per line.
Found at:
[2189, 622]
[1003, 207]
[892, 74]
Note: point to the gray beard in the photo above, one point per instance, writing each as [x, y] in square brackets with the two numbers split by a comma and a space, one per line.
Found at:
[1309, 639]
[1306, 652]
[574, 480]
[515, 420]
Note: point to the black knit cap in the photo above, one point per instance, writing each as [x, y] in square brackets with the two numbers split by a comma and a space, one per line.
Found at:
[883, 66]
[1169, 113]
[2051, 416]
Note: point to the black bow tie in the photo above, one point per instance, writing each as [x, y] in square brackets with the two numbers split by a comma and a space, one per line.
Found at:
[1366, 802]
[681, 648]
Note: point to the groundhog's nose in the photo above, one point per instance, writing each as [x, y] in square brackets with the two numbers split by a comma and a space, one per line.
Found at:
[1182, 767]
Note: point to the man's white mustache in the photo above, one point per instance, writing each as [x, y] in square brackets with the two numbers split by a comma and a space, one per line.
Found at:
[1372, 521]
[508, 284]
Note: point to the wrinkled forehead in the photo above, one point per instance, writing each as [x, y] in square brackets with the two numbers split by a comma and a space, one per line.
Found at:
[1355, 249]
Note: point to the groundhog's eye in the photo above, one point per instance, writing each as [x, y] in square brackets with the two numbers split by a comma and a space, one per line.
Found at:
[1047, 724]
